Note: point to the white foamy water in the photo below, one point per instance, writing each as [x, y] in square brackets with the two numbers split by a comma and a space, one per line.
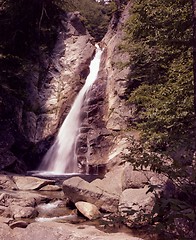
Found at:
[48, 206]
[50, 174]
[52, 219]
[61, 157]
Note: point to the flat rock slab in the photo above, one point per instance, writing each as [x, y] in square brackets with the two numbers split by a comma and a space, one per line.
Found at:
[31, 183]
[59, 231]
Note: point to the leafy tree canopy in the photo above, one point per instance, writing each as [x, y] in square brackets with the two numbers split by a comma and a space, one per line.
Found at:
[159, 39]
[95, 14]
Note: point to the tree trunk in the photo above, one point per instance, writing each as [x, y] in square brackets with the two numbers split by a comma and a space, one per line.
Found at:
[194, 71]
[194, 74]
[194, 52]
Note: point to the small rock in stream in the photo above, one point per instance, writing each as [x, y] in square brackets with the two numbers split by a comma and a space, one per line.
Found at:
[18, 224]
[89, 210]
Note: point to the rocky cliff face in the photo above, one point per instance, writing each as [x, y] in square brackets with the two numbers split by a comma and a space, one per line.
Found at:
[30, 123]
[103, 134]
[118, 111]
[65, 75]
[49, 89]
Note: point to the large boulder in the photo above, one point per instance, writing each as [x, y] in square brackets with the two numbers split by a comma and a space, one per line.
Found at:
[135, 204]
[132, 178]
[104, 193]
[77, 189]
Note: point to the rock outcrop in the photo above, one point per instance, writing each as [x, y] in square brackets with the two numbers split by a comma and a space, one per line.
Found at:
[105, 116]
[30, 120]
[118, 111]
[69, 66]
[46, 86]
[104, 193]
[66, 72]
[123, 192]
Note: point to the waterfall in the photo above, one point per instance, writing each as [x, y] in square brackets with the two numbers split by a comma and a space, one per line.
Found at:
[61, 157]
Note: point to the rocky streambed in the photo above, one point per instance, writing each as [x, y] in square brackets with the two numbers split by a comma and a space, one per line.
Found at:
[73, 209]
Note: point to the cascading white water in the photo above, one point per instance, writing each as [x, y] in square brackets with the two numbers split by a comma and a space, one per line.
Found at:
[61, 157]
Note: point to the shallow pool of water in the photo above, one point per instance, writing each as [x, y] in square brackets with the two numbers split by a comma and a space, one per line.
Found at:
[62, 176]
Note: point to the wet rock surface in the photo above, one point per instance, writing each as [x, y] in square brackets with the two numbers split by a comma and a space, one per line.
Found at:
[110, 199]
[20, 209]
[103, 134]
[54, 231]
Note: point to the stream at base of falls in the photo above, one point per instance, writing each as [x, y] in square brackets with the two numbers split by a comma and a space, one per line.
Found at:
[53, 206]
[60, 177]
[58, 211]
[63, 211]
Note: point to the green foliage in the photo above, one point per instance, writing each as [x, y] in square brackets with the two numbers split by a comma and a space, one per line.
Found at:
[158, 37]
[173, 214]
[28, 31]
[95, 15]
[160, 85]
